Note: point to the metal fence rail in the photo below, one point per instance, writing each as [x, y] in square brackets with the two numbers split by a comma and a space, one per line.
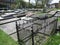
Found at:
[34, 32]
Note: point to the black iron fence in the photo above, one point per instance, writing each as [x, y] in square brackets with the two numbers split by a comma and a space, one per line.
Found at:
[35, 30]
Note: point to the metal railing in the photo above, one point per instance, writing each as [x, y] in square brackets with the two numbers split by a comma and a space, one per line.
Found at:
[30, 33]
[34, 31]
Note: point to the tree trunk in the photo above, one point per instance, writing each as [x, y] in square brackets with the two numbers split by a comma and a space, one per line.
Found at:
[36, 3]
[29, 3]
[45, 5]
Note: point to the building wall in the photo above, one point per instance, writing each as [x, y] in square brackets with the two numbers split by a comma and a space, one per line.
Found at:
[59, 5]
[56, 5]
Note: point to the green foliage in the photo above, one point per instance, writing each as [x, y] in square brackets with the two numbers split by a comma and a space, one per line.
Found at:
[44, 5]
[54, 39]
[59, 19]
[21, 42]
[20, 3]
[6, 40]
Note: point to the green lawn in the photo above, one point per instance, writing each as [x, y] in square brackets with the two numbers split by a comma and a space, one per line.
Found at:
[56, 9]
[40, 13]
[58, 19]
[6, 40]
[54, 39]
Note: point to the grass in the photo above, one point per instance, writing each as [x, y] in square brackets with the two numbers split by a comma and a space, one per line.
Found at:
[6, 40]
[54, 39]
[40, 13]
[56, 8]
[58, 19]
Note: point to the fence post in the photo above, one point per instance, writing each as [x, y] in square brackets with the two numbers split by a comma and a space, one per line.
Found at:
[56, 25]
[32, 35]
[17, 33]
[45, 21]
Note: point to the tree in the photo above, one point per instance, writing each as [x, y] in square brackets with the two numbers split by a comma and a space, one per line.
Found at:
[17, 3]
[23, 4]
[29, 3]
[44, 4]
[20, 3]
[36, 2]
